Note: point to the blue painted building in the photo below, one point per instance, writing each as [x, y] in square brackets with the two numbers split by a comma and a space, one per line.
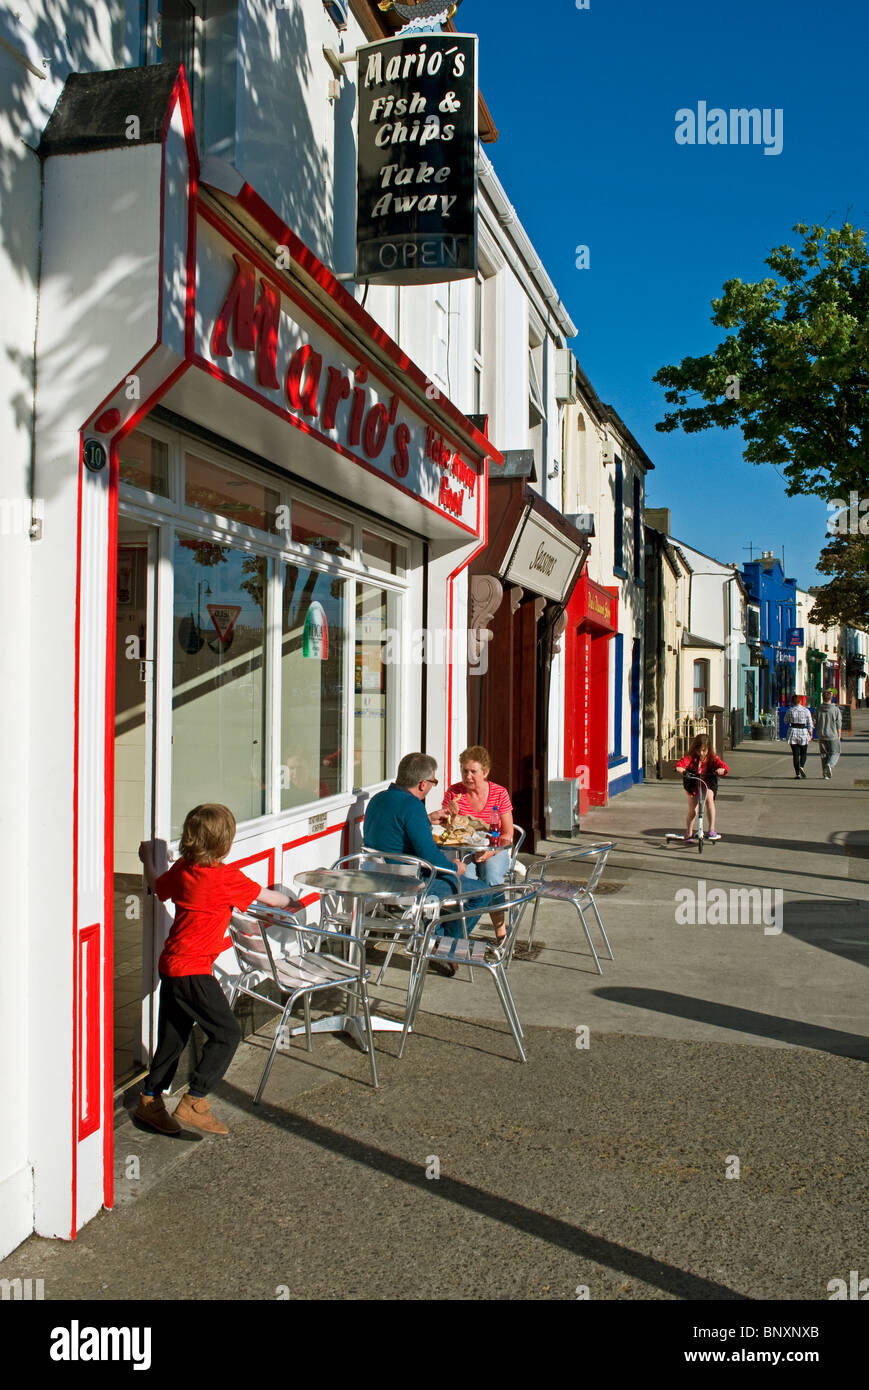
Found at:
[774, 601]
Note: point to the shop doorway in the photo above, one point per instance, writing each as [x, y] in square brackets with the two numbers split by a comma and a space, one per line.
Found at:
[135, 649]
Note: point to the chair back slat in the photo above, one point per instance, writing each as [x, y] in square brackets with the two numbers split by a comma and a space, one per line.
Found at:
[599, 866]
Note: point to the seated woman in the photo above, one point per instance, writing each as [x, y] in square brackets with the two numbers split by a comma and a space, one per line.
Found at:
[476, 796]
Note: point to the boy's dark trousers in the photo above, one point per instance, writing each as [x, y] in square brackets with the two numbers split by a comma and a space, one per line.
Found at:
[185, 1000]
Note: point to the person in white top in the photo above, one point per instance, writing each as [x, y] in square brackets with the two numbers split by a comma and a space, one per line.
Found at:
[800, 722]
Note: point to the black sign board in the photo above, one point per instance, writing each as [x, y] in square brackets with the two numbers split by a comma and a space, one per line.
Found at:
[416, 199]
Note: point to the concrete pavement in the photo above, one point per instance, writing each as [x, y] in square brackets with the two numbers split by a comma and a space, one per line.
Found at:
[708, 1143]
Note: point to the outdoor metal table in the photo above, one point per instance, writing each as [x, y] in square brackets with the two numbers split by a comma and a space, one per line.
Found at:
[357, 885]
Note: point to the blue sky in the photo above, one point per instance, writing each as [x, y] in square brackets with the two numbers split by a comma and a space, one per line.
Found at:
[585, 104]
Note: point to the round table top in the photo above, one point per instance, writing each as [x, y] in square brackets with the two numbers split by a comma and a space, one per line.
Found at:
[359, 883]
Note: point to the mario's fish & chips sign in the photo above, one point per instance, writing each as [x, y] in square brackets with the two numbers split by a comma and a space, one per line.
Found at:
[417, 160]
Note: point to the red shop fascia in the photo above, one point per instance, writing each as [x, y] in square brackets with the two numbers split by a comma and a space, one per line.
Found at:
[592, 620]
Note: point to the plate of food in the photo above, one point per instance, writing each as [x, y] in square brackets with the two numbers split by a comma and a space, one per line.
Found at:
[465, 832]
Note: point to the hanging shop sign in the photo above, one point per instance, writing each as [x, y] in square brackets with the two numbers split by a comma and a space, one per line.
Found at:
[795, 637]
[416, 191]
[540, 559]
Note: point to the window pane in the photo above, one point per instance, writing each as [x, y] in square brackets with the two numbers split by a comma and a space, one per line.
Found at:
[218, 647]
[381, 554]
[144, 463]
[175, 33]
[322, 532]
[372, 674]
[217, 489]
[701, 684]
[312, 686]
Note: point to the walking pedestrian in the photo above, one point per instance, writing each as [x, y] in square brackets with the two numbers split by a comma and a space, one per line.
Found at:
[829, 726]
[800, 725]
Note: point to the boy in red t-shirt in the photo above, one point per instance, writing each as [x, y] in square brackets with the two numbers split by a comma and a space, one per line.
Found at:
[204, 890]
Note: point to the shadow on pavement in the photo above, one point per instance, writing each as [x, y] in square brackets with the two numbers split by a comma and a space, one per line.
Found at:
[657, 1273]
[788, 1030]
[837, 925]
[850, 845]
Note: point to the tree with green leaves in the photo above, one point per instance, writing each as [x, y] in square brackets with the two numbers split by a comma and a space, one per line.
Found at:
[792, 372]
[846, 598]
[793, 369]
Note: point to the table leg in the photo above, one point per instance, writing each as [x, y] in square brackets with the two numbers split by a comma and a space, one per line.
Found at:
[354, 1024]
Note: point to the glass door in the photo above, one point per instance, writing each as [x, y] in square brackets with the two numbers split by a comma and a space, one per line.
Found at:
[135, 649]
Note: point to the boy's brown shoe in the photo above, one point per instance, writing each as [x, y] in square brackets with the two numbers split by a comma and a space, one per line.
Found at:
[151, 1111]
[195, 1111]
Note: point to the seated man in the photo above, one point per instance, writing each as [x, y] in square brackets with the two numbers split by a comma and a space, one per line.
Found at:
[396, 822]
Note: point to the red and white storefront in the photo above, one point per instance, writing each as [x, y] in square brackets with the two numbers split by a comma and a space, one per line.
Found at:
[252, 509]
[592, 622]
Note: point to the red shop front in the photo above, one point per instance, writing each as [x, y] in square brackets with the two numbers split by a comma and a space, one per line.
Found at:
[592, 619]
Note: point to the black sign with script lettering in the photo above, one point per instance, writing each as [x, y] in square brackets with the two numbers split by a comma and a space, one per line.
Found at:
[416, 198]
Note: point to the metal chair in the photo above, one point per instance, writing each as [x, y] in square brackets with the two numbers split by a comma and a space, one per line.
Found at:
[436, 907]
[466, 950]
[581, 895]
[391, 922]
[298, 975]
[518, 840]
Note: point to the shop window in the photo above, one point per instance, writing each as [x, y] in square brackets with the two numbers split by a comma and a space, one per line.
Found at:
[536, 405]
[750, 697]
[144, 463]
[372, 666]
[218, 663]
[312, 686]
[442, 336]
[216, 489]
[617, 676]
[479, 289]
[619, 520]
[321, 531]
[701, 684]
[172, 34]
[381, 554]
[176, 33]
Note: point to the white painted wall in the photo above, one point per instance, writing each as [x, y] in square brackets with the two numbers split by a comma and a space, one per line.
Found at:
[19, 248]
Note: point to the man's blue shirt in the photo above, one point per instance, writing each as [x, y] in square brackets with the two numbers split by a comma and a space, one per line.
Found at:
[396, 823]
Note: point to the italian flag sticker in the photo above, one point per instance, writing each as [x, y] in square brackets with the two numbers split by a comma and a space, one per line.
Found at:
[315, 635]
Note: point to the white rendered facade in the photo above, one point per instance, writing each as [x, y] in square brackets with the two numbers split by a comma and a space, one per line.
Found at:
[132, 255]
